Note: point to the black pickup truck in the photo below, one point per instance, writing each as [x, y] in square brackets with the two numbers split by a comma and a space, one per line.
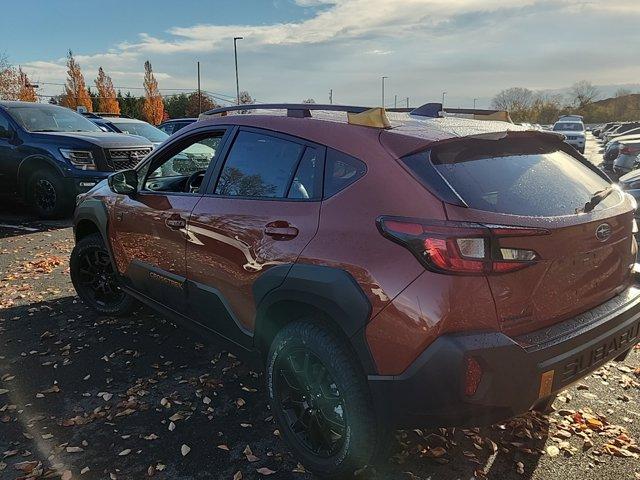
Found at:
[50, 154]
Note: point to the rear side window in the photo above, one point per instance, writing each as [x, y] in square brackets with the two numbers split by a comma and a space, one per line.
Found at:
[512, 177]
[259, 166]
[341, 170]
[305, 181]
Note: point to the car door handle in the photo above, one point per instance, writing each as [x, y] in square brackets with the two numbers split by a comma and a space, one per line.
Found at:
[175, 222]
[280, 230]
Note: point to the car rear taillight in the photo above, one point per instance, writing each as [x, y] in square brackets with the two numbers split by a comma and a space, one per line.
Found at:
[460, 247]
[630, 150]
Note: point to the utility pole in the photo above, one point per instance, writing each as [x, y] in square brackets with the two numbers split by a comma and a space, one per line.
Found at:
[474, 103]
[199, 92]
[235, 54]
[407, 102]
[383, 79]
[443, 95]
[331, 97]
[395, 101]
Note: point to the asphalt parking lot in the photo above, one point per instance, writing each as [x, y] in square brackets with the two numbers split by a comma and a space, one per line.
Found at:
[91, 397]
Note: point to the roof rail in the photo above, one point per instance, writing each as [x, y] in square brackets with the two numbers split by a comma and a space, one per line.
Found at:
[296, 110]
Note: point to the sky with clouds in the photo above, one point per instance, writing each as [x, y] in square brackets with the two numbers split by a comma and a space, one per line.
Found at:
[296, 49]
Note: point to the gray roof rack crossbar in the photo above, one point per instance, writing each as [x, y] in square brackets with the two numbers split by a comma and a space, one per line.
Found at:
[296, 110]
[303, 110]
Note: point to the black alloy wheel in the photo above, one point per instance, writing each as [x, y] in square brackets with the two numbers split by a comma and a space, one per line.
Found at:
[45, 195]
[311, 402]
[97, 277]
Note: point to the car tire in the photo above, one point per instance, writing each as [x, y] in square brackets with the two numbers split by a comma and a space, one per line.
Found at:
[95, 279]
[47, 195]
[315, 382]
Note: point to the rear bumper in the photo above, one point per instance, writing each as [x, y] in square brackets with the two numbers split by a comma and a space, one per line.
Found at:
[517, 372]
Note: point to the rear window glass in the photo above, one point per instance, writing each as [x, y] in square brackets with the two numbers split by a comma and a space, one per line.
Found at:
[528, 181]
[341, 171]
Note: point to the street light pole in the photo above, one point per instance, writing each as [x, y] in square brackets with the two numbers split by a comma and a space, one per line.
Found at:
[443, 95]
[383, 79]
[474, 103]
[235, 54]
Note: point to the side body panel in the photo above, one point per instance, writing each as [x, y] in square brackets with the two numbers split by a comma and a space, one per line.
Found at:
[228, 249]
[434, 304]
[348, 237]
[147, 235]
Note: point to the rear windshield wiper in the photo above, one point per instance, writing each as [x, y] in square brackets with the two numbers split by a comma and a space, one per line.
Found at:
[596, 198]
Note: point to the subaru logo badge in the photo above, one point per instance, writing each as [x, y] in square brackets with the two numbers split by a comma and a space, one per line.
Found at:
[603, 232]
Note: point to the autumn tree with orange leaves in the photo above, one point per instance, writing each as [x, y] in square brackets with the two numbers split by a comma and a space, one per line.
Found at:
[8, 79]
[27, 92]
[153, 108]
[75, 90]
[107, 101]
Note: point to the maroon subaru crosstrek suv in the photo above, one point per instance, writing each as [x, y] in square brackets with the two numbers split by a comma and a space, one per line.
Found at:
[389, 271]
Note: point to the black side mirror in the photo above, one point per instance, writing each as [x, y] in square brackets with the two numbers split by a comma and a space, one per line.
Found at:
[124, 182]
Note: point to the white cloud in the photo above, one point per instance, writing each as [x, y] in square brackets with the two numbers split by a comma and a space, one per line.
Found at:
[471, 48]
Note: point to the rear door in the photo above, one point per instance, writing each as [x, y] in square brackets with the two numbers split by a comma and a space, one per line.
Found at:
[261, 211]
[584, 257]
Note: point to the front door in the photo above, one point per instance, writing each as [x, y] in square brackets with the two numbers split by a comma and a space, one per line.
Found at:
[261, 212]
[148, 229]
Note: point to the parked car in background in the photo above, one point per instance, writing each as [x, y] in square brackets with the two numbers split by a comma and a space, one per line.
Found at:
[614, 136]
[571, 118]
[630, 183]
[50, 154]
[384, 277]
[611, 152]
[627, 159]
[574, 133]
[603, 128]
[620, 129]
[128, 125]
[172, 126]
[607, 128]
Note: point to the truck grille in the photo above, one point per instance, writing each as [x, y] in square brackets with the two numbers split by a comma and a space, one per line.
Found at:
[124, 158]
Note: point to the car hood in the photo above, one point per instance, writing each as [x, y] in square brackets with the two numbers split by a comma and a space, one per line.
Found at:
[103, 139]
